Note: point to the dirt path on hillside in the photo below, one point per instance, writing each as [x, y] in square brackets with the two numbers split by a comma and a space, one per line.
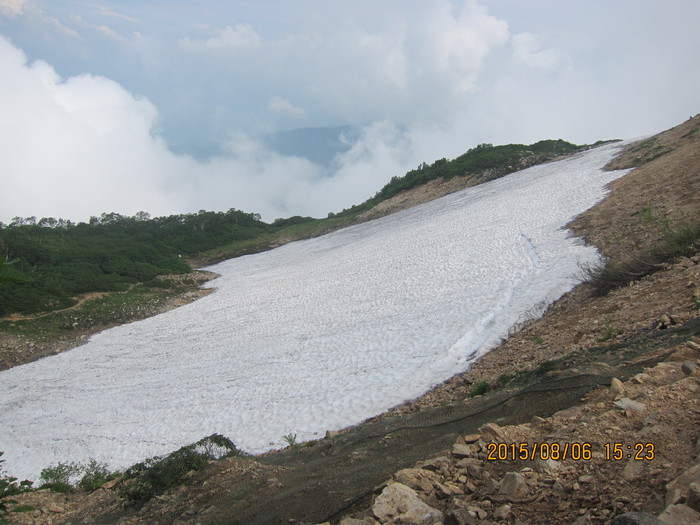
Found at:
[80, 301]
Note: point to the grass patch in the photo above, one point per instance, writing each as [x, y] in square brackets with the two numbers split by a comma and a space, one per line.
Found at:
[683, 241]
[609, 331]
[544, 367]
[290, 439]
[504, 379]
[115, 307]
[23, 508]
[479, 388]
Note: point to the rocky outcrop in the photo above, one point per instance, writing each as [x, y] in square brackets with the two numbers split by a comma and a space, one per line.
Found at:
[624, 464]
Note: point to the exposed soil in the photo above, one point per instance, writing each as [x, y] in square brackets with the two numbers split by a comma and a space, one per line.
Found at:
[552, 381]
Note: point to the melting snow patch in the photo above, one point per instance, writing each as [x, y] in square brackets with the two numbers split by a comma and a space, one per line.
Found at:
[315, 335]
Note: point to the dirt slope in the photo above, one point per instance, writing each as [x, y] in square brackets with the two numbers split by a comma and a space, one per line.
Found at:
[575, 349]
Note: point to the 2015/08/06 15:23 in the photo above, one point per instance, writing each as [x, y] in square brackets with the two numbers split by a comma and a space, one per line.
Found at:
[574, 451]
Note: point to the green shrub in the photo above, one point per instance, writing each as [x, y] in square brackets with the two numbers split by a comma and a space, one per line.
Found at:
[60, 477]
[8, 488]
[154, 476]
[609, 331]
[544, 367]
[504, 379]
[479, 388]
[290, 439]
[94, 476]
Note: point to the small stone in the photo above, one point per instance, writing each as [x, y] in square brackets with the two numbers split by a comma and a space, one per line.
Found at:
[463, 517]
[640, 379]
[400, 504]
[448, 489]
[693, 500]
[636, 518]
[678, 489]
[629, 405]
[513, 485]
[417, 478]
[355, 521]
[586, 479]
[559, 488]
[544, 465]
[632, 470]
[478, 512]
[474, 467]
[583, 519]
[493, 430]
[471, 438]
[434, 464]
[111, 483]
[461, 451]
[537, 421]
[502, 513]
[617, 387]
[689, 367]
[679, 515]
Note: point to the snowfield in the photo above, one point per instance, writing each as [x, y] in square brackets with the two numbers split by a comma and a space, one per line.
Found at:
[314, 335]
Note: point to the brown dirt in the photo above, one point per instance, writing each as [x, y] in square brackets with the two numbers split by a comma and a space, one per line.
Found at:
[580, 329]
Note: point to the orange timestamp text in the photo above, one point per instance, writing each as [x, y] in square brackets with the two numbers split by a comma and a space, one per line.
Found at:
[574, 451]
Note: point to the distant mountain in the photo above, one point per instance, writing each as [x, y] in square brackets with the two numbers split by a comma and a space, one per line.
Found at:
[319, 145]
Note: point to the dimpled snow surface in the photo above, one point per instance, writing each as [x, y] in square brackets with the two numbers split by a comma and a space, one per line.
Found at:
[314, 335]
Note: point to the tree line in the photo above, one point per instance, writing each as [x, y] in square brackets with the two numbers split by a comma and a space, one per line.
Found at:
[53, 260]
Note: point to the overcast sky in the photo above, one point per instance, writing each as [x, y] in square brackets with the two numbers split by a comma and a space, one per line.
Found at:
[112, 105]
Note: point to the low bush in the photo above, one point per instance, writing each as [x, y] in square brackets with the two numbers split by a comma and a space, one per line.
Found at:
[154, 476]
[64, 477]
[8, 488]
[479, 388]
[95, 475]
[609, 276]
[61, 477]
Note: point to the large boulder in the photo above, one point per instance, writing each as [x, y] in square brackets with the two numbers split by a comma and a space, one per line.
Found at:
[399, 504]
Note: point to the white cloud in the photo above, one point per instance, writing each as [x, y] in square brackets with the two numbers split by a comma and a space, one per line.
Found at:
[283, 106]
[238, 37]
[12, 7]
[103, 10]
[233, 37]
[84, 145]
[109, 32]
[422, 80]
[15, 8]
[530, 49]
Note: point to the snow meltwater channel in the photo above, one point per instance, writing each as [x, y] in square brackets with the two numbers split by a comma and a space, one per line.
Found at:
[314, 335]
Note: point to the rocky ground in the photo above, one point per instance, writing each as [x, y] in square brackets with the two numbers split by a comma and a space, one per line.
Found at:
[632, 446]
